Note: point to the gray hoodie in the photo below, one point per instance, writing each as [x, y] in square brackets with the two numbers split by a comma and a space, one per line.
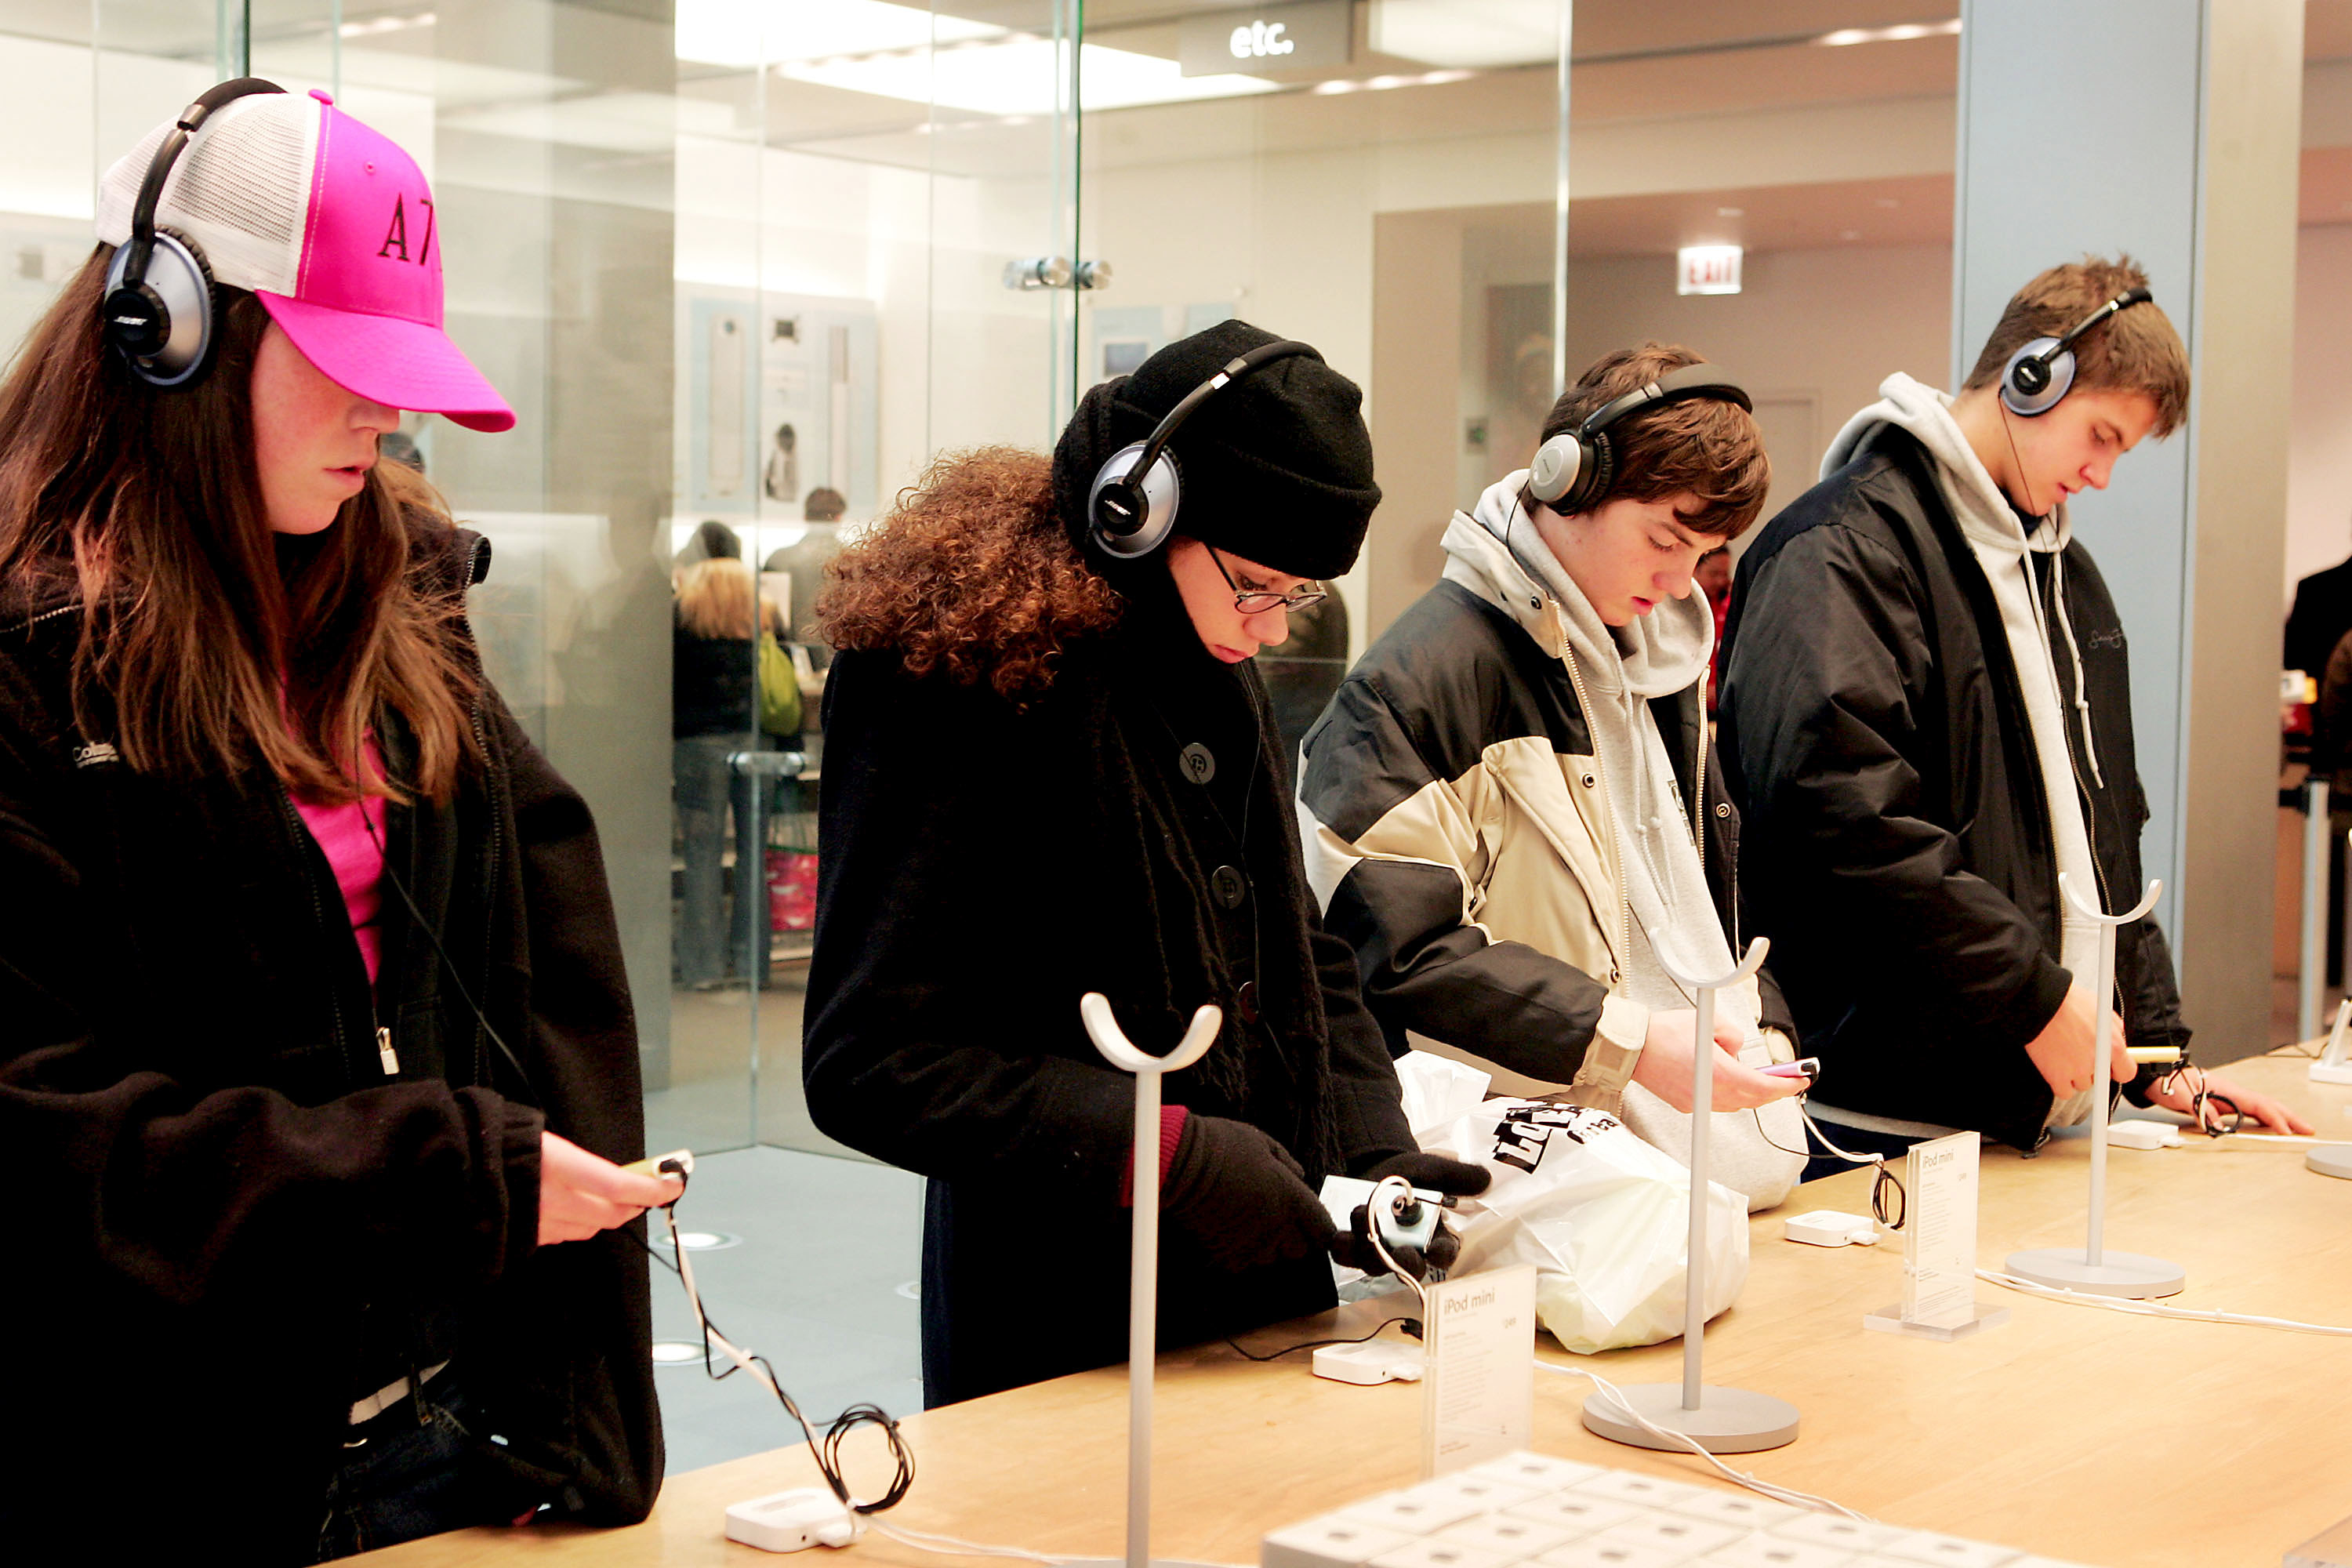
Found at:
[1622, 667]
[2002, 546]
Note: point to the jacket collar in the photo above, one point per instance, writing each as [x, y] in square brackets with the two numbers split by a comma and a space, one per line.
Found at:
[1477, 559]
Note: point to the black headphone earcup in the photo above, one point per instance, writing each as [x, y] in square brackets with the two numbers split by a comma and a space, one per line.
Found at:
[1128, 515]
[1600, 469]
[163, 328]
[2031, 386]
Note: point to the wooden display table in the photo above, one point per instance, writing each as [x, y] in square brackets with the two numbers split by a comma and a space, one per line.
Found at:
[2075, 1433]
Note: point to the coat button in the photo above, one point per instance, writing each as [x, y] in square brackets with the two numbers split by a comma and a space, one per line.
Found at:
[1199, 763]
[1587, 780]
[1723, 808]
[1229, 886]
[1246, 1002]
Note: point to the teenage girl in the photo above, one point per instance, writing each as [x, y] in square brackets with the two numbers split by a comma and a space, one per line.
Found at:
[315, 1049]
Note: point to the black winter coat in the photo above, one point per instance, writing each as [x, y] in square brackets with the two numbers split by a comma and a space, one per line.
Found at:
[1900, 852]
[965, 906]
[243, 1223]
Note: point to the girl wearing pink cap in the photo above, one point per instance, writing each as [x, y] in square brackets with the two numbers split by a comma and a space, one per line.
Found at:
[314, 1040]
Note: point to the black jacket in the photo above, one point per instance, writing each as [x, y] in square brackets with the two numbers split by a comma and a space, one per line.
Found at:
[243, 1221]
[2321, 615]
[981, 869]
[1900, 853]
[714, 685]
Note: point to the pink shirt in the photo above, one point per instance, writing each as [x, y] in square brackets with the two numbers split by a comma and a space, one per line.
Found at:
[357, 858]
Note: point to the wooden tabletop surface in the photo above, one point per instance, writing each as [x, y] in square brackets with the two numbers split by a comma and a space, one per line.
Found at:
[2076, 1432]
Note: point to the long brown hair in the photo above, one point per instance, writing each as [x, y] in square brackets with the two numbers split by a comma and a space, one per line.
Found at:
[971, 572]
[146, 504]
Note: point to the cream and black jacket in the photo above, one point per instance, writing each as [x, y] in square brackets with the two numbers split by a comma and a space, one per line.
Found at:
[1458, 832]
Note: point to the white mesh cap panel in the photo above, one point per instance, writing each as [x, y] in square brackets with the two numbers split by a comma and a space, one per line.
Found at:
[241, 189]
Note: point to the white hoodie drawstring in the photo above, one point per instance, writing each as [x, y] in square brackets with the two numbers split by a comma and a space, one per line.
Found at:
[2057, 554]
[2081, 696]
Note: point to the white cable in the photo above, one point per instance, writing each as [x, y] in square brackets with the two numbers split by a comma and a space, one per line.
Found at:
[1823, 1140]
[1372, 1231]
[2242, 1138]
[709, 1334]
[2155, 1309]
[948, 1545]
[1776, 1493]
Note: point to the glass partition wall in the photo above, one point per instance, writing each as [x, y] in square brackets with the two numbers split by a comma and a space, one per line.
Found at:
[744, 267]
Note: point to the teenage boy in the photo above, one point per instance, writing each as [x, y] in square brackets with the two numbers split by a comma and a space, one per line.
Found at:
[1927, 718]
[1511, 809]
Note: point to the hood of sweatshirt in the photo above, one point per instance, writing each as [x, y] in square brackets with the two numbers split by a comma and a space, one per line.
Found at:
[1985, 514]
[1496, 553]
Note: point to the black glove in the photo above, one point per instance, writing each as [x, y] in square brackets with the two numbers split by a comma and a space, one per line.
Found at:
[1240, 1195]
[1430, 1174]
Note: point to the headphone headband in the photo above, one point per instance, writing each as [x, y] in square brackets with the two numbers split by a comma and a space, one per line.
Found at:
[2042, 373]
[1701, 380]
[163, 327]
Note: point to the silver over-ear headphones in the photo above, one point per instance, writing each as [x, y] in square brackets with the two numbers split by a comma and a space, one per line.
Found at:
[158, 308]
[2042, 371]
[1572, 470]
[1131, 508]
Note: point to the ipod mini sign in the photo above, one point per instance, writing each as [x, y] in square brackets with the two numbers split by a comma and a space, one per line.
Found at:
[1303, 34]
[1707, 269]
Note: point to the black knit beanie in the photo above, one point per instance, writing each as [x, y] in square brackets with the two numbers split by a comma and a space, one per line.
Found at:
[1276, 466]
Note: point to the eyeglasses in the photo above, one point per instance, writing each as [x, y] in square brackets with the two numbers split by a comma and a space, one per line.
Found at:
[1257, 601]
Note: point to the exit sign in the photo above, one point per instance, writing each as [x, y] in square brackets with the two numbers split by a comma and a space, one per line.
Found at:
[1707, 269]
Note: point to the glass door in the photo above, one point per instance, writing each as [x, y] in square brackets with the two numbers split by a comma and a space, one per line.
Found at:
[867, 274]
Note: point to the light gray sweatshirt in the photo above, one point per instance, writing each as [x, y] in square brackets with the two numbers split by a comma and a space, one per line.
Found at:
[1657, 655]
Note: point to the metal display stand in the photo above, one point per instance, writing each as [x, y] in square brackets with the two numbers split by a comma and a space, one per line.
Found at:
[1720, 1420]
[2092, 1267]
[1143, 1306]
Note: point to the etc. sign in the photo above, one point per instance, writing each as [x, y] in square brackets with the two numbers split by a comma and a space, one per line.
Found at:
[1302, 35]
[1260, 40]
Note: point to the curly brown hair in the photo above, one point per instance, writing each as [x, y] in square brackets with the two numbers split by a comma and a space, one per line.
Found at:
[971, 572]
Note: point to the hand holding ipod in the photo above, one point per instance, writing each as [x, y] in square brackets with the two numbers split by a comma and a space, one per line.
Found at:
[580, 1194]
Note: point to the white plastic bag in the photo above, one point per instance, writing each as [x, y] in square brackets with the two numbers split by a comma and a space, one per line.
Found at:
[1759, 1153]
[1438, 1091]
[1602, 1215]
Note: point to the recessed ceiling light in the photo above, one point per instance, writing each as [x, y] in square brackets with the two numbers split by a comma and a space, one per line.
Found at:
[1731, 212]
[1889, 202]
[675, 1352]
[702, 1240]
[1902, 32]
[1386, 83]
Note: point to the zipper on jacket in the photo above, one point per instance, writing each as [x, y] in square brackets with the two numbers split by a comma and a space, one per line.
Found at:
[1616, 845]
[2086, 805]
[30, 622]
[489, 894]
[301, 837]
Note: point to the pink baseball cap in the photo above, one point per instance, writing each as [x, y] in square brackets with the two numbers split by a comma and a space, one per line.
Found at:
[334, 228]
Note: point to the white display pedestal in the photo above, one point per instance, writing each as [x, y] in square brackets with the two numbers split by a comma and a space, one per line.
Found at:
[1720, 1420]
[2092, 1267]
[1143, 1308]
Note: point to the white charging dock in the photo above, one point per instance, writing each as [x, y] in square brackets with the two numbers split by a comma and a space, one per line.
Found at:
[1373, 1362]
[791, 1521]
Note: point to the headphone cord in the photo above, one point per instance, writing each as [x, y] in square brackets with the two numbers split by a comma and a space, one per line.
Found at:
[449, 965]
